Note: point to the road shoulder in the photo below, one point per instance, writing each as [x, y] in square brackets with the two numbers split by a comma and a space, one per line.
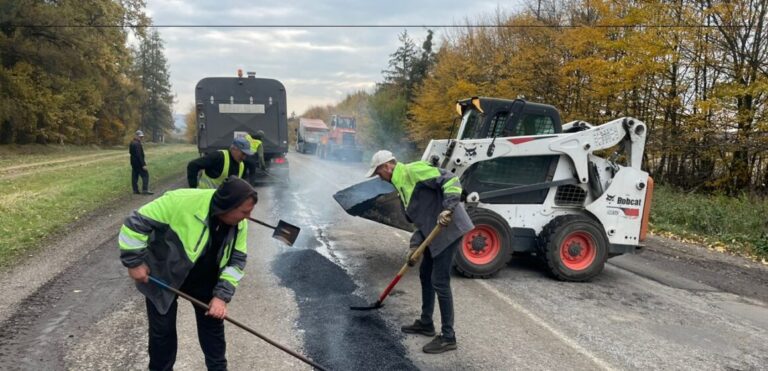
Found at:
[61, 251]
[689, 266]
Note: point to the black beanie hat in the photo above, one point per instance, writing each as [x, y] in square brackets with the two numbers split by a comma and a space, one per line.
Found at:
[231, 194]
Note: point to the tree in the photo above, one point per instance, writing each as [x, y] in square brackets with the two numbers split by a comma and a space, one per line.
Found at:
[401, 65]
[66, 84]
[190, 120]
[152, 68]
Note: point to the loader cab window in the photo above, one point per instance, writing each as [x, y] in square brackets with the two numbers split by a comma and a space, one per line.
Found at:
[533, 124]
[475, 128]
[473, 125]
[497, 124]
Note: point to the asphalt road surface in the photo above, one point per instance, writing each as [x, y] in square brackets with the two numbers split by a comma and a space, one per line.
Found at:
[675, 306]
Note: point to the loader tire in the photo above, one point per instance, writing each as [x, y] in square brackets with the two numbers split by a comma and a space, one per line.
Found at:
[574, 248]
[486, 249]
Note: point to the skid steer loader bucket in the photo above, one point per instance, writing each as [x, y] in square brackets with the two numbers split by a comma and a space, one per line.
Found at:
[375, 200]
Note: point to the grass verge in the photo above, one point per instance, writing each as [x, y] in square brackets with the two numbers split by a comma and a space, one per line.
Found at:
[40, 203]
[734, 224]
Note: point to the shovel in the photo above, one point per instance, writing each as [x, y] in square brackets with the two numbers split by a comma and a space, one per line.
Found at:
[415, 256]
[285, 232]
[238, 324]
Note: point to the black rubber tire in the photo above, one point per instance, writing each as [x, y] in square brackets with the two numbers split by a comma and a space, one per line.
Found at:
[488, 220]
[555, 234]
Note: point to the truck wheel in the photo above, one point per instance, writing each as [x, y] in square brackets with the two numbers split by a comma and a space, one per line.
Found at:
[574, 247]
[486, 249]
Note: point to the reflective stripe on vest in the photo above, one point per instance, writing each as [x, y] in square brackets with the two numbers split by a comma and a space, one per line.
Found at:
[206, 182]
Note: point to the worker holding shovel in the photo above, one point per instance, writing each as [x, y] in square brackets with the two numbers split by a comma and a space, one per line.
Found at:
[430, 196]
[195, 240]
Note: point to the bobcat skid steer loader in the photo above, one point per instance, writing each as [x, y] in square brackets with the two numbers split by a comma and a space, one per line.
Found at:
[573, 194]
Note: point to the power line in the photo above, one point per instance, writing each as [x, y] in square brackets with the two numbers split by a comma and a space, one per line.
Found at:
[330, 26]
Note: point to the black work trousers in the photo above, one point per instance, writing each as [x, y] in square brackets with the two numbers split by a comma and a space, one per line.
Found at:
[137, 172]
[435, 275]
[252, 164]
[163, 341]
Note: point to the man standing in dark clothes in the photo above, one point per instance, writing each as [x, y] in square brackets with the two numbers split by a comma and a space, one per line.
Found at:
[210, 170]
[430, 196]
[194, 240]
[138, 165]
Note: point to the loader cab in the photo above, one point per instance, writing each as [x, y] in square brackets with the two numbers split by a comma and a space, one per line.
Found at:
[487, 118]
[493, 117]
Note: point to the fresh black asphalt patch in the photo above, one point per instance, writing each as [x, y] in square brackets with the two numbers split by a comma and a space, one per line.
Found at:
[335, 336]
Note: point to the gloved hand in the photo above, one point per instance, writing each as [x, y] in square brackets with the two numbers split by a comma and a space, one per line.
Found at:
[445, 217]
[411, 261]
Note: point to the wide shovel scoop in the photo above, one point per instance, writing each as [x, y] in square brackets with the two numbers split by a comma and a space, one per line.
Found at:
[284, 232]
[415, 256]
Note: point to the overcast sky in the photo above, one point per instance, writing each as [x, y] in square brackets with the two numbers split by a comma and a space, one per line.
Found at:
[318, 66]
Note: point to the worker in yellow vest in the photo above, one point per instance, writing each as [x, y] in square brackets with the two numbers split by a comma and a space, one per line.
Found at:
[257, 159]
[210, 170]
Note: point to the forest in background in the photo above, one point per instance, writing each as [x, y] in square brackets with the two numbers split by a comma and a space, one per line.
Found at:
[69, 75]
[696, 72]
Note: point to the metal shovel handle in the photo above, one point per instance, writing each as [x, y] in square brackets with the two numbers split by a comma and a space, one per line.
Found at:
[262, 223]
[238, 324]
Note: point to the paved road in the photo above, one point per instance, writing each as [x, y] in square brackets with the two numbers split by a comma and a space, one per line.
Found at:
[665, 309]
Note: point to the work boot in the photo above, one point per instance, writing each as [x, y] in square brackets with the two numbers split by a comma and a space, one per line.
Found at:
[419, 328]
[440, 344]
[147, 193]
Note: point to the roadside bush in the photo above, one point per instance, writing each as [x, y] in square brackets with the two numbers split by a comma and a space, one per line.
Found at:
[737, 222]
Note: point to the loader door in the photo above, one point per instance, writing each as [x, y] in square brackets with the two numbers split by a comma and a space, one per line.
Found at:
[507, 173]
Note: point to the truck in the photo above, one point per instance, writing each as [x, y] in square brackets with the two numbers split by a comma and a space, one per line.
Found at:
[309, 135]
[572, 194]
[342, 139]
[230, 107]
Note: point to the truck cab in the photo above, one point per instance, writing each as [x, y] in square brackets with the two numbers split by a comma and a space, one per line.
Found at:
[309, 135]
[342, 141]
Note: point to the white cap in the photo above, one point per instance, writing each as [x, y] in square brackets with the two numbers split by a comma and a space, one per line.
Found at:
[139, 133]
[379, 158]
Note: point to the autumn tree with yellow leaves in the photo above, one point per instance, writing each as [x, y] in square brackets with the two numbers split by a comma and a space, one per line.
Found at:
[695, 71]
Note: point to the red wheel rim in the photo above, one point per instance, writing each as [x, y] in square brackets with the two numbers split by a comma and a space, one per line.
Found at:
[578, 251]
[481, 245]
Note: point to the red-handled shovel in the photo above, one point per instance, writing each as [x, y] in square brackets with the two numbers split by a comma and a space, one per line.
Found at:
[415, 256]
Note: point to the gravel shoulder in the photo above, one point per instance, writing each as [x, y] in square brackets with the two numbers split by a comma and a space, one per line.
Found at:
[60, 252]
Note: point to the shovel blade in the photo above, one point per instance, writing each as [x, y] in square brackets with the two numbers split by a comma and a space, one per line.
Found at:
[375, 200]
[286, 232]
[377, 305]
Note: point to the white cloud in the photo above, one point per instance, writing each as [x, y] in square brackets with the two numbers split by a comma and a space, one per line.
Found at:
[317, 65]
